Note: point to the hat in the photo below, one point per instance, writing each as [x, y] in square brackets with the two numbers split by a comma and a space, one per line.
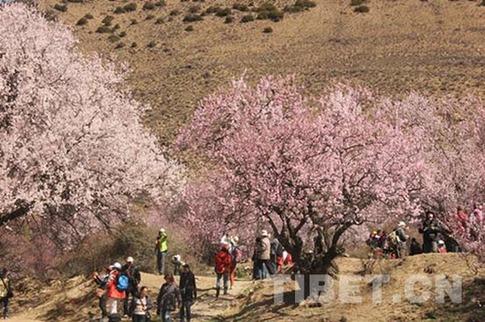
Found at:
[402, 224]
[177, 257]
[130, 259]
[440, 242]
[162, 230]
[117, 266]
[235, 240]
[264, 233]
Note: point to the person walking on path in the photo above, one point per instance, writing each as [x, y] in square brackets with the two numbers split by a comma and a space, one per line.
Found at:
[6, 292]
[134, 278]
[102, 281]
[161, 249]
[140, 306]
[264, 253]
[115, 292]
[188, 292]
[236, 256]
[223, 262]
[168, 298]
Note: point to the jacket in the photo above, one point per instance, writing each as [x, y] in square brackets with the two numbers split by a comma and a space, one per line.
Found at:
[223, 261]
[111, 290]
[135, 306]
[134, 275]
[265, 249]
[168, 298]
[188, 288]
[162, 243]
[5, 287]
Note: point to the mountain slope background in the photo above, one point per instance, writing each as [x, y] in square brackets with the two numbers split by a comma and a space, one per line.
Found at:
[434, 47]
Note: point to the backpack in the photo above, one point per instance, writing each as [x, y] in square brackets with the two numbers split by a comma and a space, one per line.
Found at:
[122, 282]
[393, 238]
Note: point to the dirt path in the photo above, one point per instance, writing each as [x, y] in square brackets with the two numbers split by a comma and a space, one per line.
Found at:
[206, 308]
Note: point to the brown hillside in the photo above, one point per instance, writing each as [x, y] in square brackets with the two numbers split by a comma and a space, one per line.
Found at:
[431, 46]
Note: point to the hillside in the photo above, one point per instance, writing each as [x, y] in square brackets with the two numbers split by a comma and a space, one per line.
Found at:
[250, 301]
[431, 46]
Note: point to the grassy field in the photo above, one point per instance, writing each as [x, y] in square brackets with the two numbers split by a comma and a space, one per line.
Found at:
[434, 46]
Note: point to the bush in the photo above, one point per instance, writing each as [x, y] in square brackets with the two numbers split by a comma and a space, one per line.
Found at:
[113, 38]
[159, 21]
[119, 10]
[151, 44]
[134, 45]
[103, 29]
[223, 12]
[120, 45]
[192, 18]
[122, 34]
[134, 22]
[174, 12]
[88, 16]
[82, 21]
[75, 1]
[60, 7]
[269, 11]
[107, 20]
[247, 18]
[160, 3]
[189, 28]
[149, 17]
[130, 7]
[268, 30]
[354, 3]
[362, 9]
[148, 6]
[194, 9]
[240, 7]
[300, 5]
[229, 19]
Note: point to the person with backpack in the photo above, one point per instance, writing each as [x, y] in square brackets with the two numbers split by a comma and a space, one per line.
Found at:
[168, 298]
[6, 292]
[116, 287]
[397, 239]
[264, 253]
[430, 229]
[161, 249]
[140, 306]
[236, 256]
[101, 281]
[177, 264]
[188, 292]
[134, 279]
[223, 262]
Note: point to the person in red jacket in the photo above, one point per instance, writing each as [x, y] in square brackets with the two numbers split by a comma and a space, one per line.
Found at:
[223, 262]
[114, 296]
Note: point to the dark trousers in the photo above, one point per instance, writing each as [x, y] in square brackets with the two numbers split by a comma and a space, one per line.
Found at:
[139, 318]
[161, 262]
[185, 314]
[102, 306]
[4, 302]
[166, 315]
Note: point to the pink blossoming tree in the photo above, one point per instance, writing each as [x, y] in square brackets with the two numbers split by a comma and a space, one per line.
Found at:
[299, 165]
[73, 151]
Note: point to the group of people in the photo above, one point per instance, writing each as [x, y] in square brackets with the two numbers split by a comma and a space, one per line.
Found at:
[269, 256]
[437, 237]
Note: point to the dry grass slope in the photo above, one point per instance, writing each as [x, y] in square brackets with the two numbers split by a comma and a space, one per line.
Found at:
[433, 46]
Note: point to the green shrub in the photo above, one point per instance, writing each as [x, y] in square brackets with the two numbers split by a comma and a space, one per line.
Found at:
[88, 16]
[354, 3]
[194, 9]
[75, 1]
[81, 22]
[212, 9]
[223, 12]
[269, 11]
[148, 6]
[229, 19]
[268, 30]
[130, 7]
[122, 34]
[119, 10]
[362, 9]
[152, 44]
[107, 20]
[120, 45]
[247, 18]
[300, 5]
[192, 18]
[113, 38]
[267, 6]
[189, 28]
[160, 3]
[240, 7]
[103, 29]
[60, 7]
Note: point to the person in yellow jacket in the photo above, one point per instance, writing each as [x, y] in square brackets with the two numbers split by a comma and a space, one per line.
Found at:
[5, 292]
[161, 249]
